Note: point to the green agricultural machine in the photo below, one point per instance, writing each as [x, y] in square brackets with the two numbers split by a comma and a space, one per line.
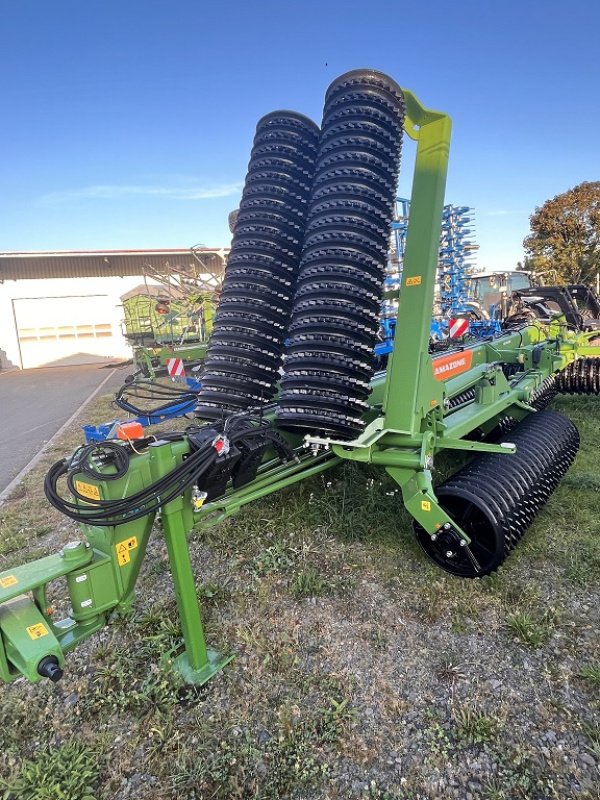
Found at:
[305, 277]
[159, 327]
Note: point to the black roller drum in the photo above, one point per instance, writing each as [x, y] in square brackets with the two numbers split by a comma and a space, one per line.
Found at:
[333, 330]
[244, 353]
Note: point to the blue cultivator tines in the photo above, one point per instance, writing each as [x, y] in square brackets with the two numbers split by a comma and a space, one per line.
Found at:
[457, 247]
[456, 251]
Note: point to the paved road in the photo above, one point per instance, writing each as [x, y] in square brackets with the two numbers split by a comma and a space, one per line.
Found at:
[34, 403]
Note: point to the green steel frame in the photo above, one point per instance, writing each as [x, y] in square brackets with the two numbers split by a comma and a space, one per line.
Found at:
[411, 418]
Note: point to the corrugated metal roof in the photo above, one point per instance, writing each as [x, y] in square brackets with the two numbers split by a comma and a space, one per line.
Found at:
[107, 263]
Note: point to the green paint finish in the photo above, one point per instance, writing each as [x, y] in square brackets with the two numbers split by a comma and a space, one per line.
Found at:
[410, 389]
[27, 639]
[23, 579]
[198, 676]
[195, 664]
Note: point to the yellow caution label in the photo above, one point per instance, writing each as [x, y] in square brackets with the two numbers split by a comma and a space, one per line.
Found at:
[416, 281]
[425, 505]
[37, 631]
[123, 549]
[88, 490]
[7, 581]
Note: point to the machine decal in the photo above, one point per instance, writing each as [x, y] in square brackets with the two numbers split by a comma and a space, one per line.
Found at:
[458, 327]
[175, 368]
[123, 549]
[453, 364]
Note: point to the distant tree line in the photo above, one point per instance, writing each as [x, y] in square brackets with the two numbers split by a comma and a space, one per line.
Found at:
[564, 243]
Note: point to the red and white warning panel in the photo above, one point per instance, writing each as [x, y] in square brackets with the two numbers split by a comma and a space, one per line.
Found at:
[175, 368]
[458, 327]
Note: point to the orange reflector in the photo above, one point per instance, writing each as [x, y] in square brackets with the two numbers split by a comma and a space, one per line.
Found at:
[130, 430]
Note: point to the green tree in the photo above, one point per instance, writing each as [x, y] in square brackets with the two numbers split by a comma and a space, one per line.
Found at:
[564, 243]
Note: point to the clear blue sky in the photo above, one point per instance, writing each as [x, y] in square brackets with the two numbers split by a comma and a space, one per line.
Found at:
[129, 123]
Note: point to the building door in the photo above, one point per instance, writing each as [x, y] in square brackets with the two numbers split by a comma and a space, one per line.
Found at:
[63, 331]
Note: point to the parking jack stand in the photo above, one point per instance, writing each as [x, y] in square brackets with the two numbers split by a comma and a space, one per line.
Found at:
[197, 664]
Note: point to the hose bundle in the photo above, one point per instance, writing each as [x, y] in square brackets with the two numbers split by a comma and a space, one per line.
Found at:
[140, 504]
[108, 461]
[130, 395]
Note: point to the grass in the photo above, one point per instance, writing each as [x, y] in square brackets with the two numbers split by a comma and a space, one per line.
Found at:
[68, 772]
[531, 628]
[474, 726]
[360, 670]
[591, 673]
[308, 583]
[592, 731]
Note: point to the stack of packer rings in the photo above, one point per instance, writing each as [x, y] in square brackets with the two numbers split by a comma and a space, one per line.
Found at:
[335, 318]
[244, 354]
[580, 377]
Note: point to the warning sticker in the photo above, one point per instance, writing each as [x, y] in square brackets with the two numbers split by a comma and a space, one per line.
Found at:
[425, 505]
[37, 631]
[88, 490]
[415, 281]
[123, 549]
[7, 581]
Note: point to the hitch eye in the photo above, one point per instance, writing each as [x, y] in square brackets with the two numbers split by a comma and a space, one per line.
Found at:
[50, 668]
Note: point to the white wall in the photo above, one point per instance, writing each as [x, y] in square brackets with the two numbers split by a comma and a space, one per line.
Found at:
[61, 287]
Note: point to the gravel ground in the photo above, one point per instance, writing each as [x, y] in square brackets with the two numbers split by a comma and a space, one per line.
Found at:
[360, 670]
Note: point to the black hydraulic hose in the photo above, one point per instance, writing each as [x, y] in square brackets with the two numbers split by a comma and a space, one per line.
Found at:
[147, 390]
[151, 498]
[140, 504]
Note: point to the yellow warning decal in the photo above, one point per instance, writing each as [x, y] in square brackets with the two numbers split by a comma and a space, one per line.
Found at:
[8, 580]
[88, 490]
[425, 505]
[37, 631]
[416, 281]
[123, 549]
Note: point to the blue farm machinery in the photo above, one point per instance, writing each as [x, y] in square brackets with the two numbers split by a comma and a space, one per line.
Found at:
[289, 390]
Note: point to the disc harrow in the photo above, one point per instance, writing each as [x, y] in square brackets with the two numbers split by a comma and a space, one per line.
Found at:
[318, 284]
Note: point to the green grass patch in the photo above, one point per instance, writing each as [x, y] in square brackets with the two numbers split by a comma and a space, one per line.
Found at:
[473, 726]
[591, 673]
[309, 583]
[531, 628]
[68, 772]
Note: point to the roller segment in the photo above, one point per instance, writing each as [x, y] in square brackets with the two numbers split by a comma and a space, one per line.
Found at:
[468, 396]
[580, 377]
[244, 353]
[334, 328]
[546, 393]
[495, 497]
